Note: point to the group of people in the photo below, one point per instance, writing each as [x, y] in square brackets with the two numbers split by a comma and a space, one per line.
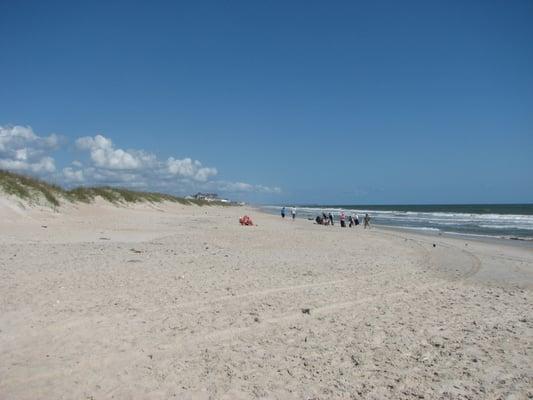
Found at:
[327, 219]
[353, 220]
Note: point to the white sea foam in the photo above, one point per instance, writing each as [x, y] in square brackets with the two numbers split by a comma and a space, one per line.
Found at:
[414, 228]
[493, 224]
[525, 227]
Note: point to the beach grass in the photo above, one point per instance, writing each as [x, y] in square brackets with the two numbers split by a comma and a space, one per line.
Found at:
[29, 188]
[32, 189]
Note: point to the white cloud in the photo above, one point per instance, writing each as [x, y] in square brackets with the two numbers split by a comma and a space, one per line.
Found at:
[268, 189]
[143, 170]
[236, 186]
[188, 168]
[138, 166]
[242, 187]
[24, 151]
[104, 155]
[73, 176]
[40, 167]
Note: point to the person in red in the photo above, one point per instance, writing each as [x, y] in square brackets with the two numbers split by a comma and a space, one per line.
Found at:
[245, 220]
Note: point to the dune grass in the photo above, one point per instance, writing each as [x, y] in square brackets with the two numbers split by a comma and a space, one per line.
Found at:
[31, 189]
[28, 188]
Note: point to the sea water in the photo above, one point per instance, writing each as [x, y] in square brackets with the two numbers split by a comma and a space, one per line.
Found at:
[512, 221]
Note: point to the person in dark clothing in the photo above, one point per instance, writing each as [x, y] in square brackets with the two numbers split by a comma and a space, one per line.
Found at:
[330, 216]
[366, 221]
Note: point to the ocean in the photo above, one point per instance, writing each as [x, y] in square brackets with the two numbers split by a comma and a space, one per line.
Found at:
[510, 221]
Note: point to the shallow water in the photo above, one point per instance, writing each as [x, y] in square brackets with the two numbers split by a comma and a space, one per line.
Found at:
[495, 220]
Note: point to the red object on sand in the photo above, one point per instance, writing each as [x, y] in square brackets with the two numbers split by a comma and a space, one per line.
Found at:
[245, 220]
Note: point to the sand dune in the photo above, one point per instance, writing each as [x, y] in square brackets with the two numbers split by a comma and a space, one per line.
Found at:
[169, 301]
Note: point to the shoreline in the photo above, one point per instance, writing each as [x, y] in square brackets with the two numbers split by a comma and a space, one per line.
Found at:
[492, 248]
[429, 230]
[510, 241]
[496, 240]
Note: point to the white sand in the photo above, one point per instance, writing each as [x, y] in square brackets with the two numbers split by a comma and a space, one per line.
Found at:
[167, 301]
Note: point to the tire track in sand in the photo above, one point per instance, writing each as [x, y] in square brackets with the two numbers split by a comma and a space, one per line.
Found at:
[202, 305]
[326, 309]
[470, 271]
[425, 260]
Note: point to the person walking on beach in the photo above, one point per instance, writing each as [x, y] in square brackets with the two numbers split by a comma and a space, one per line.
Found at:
[342, 218]
[366, 221]
[293, 212]
[330, 216]
[283, 212]
[356, 219]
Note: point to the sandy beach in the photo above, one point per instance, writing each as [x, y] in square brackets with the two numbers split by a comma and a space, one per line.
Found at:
[170, 301]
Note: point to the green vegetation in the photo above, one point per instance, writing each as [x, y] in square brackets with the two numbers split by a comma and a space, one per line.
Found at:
[32, 189]
[29, 188]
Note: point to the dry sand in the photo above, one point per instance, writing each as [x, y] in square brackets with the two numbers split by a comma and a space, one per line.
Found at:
[168, 301]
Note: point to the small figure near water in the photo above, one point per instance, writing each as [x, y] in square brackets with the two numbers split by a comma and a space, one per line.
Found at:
[353, 221]
[366, 221]
[283, 212]
[324, 219]
[293, 212]
[342, 219]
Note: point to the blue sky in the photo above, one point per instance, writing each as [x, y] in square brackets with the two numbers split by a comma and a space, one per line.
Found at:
[275, 102]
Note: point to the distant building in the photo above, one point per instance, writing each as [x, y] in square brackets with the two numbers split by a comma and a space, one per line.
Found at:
[209, 197]
[206, 196]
